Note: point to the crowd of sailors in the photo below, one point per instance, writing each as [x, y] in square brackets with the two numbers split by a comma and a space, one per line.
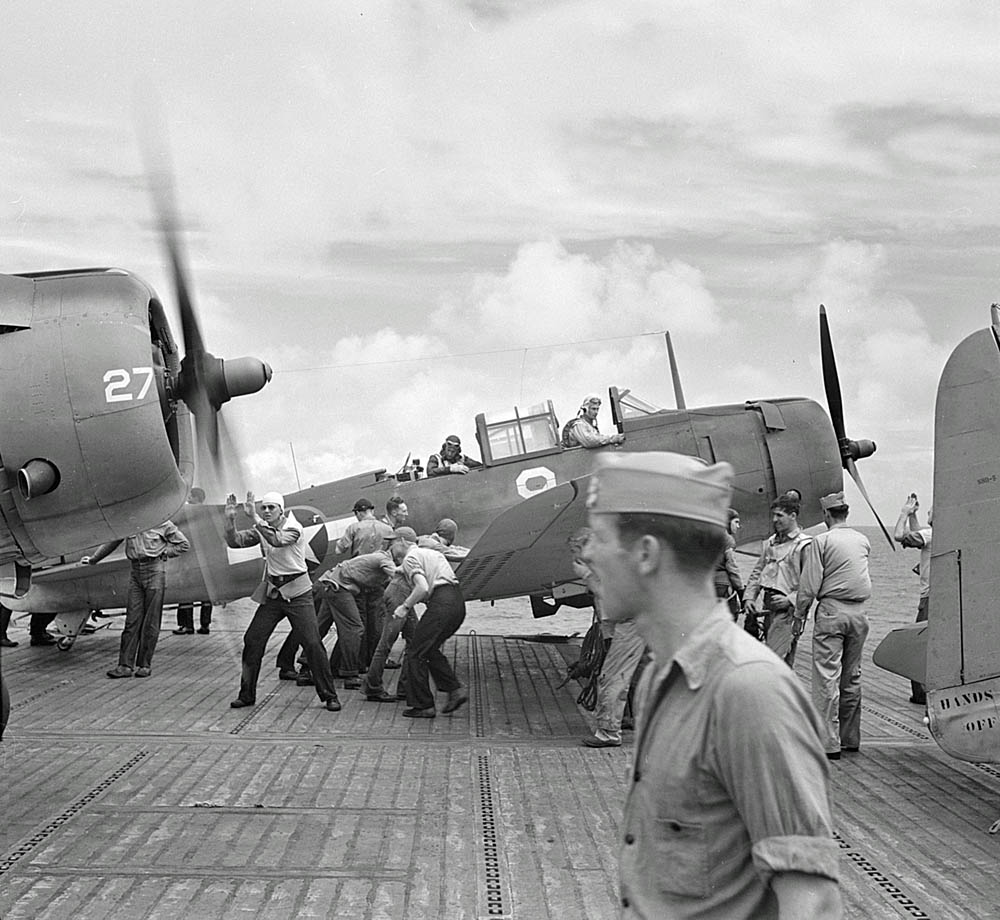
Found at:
[727, 810]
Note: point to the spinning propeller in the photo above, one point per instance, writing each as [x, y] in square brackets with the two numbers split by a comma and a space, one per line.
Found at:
[850, 451]
[204, 382]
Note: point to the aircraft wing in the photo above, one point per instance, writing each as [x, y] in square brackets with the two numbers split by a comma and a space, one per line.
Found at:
[904, 651]
[526, 549]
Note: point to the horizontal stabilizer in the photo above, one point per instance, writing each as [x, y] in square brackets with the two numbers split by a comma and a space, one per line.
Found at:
[526, 549]
[904, 651]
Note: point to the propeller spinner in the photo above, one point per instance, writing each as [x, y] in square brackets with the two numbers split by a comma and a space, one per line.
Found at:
[850, 450]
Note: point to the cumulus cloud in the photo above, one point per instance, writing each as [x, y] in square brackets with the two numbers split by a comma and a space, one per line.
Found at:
[713, 171]
[552, 326]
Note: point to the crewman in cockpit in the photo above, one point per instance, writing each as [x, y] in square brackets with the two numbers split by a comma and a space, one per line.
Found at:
[582, 431]
[451, 459]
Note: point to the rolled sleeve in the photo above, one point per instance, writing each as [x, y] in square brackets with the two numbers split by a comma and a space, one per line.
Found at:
[241, 539]
[782, 798]
[809, 855]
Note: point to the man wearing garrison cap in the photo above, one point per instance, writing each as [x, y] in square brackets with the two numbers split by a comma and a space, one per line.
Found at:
[728, 758]
[835, 575]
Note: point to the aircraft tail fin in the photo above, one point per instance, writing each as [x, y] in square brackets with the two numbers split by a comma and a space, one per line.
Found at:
[964, 631]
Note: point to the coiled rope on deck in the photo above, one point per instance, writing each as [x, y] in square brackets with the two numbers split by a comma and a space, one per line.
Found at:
[587, 668]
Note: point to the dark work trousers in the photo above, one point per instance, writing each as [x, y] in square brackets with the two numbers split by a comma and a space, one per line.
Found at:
[919, 691]
[5, 615]
[144, 611]
[185, 615]
[290, 647]
[444, 614]
[372, 615]
[342, 607]
[302, 615]
[391, 628]
[38, 623]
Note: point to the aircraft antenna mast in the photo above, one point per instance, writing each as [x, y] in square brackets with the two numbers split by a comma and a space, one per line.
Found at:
[675, 376]
[295, 466]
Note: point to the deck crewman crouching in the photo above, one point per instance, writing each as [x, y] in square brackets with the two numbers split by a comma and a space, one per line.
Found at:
[727, 812]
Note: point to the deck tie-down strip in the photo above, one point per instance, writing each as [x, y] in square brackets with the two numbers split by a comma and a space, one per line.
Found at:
[496, 898]
[243, 723]
[479, 683]
[883, 881]
[885, 717]
[11, 859]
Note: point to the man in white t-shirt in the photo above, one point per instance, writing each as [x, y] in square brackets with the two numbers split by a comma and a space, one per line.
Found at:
[432, 582]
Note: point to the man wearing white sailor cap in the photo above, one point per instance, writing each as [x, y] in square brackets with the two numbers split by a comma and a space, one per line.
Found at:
[285, 590]
[728, 756]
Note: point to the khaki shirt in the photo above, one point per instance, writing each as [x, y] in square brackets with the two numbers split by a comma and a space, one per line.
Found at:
[163, 541]
[779, 565]
[369, 570]
[835, 565]
[729, 784]
[365, 536]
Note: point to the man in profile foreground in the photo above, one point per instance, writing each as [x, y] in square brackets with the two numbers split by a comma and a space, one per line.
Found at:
[727, 813]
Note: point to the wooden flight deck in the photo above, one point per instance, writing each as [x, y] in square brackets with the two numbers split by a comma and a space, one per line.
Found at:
[153, 799]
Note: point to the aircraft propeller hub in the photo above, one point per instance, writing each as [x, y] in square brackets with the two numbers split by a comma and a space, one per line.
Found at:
[205, 382]
[858, 450]
[245, 375]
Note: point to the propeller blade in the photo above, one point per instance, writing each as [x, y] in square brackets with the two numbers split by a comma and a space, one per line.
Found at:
[852, 468]
[205, 529]
[831, 381]
[159, 170]
[204, 382]
[219, 470]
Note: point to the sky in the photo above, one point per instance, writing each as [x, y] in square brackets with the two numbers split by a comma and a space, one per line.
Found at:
[417, 211]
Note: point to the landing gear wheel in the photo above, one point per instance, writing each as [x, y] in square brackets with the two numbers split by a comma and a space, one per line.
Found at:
[65, 643]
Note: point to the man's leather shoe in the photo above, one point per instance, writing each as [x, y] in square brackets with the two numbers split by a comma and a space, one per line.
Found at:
[382, 697]
[239, 704]
[304, 679]
[352, 683]
[143, 672]
[332, 704]
[455, 699]
[183, 631]
[400, 697]
[43, 640]
[595, 742]
[833, 755]
[850, 750]
[119, 671]
[287, 675]
[204, 631]
[8, 643]
[392, 665]
[420, 713]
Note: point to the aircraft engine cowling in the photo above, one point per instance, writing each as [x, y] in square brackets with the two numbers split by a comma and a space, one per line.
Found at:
[92, 444]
